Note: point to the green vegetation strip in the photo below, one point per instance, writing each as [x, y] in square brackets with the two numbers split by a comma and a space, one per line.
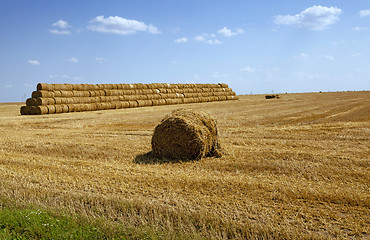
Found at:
[34, 223]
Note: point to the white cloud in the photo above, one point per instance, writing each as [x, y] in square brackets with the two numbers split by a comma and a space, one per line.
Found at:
[101, 60]
[78, 78]
[313, 18]
[228, 33]
[60, 32]
[33, 62]
[356, 55]
[61, 24]
[213, 42]
[181, 40]
[205, 39]
[27, 85]
[119, 25]
[360, 28]
[301, 56]
[9, 86]
[73, 60]
[328, 57]
[248, 69]
[364, 13]
[200, 38]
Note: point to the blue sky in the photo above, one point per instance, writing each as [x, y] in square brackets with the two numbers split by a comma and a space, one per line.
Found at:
[255, 46]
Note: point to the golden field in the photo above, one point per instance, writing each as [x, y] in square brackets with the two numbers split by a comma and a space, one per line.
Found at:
[294, 168]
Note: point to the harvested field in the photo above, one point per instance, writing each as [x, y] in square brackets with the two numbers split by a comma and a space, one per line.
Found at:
[295, 168]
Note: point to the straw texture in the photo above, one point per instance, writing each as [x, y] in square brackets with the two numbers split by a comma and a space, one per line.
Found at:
[186, 134]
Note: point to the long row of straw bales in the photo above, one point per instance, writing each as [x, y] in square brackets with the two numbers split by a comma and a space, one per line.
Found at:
[64, 98]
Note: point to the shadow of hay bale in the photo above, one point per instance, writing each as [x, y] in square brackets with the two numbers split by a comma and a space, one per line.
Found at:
[150, 158]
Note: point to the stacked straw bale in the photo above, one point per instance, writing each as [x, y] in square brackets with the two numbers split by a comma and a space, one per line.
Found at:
[63, 98]
[186, 134]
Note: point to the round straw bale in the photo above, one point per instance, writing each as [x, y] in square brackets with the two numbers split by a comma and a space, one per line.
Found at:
[118, 105]
[125, 104]
[138, 85]
[232, 97]
[58, 108]
[106, 105]
[144, 103]
[51, 109]
[25, 110]
[99, 87]
[155, 102]
[70, 107]
[31, 102]
[222, 98]
[65, 108]
[223, 85]
[83, 107]
[78, 87]
[124, 86]
[188, 100]
[75, 100]
[42, 93]
[186, 90]
[57, 93]
[43, 86]
[162, 90]
[61, 87]
[115, 105]
[99, 106]
[85, 94]
[78, 107]
[186, 134]
[154, 96]
[32, 110]
[39, 110]
[99, 93]
[103, 99]
[147, 91]
[92, 93]
[66, 93]
[112, 92]
[130, 97]
[171, 95]
[92, 107]
[65, 100]
[114, 98]
[169, 101]
[57, 100]
[142, 97]
[178, 101]
[139, 91]
[133, 104]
